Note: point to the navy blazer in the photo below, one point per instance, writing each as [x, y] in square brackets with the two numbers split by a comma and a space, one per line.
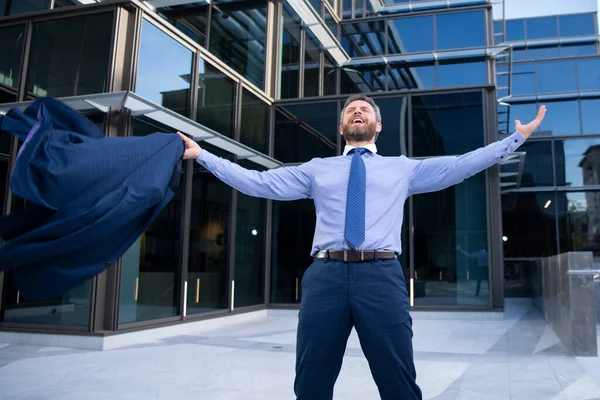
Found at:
[88, 197]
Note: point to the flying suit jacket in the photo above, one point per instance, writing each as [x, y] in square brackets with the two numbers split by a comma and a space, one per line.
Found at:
[88, 197]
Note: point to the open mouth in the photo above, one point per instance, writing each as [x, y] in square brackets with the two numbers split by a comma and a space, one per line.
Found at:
[358, 121]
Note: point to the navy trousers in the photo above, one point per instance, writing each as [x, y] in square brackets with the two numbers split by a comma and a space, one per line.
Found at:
[370, 296]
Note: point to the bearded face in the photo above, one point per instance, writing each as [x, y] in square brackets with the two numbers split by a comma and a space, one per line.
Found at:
[360, 122]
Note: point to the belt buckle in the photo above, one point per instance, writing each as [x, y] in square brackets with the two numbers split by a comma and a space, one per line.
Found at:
[361, 258]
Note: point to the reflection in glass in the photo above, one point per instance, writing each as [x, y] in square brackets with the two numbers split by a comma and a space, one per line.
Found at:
[588, 74]
[162, 56]
[581, 162]
[462, 72]
[450, 248]
[250, 239]
[69, 309]
[290, 53]
[329, 75]
[528, 223]
[195, 24]
[542, 28]
[3, 172]
[312, 65]
[393, 138]
[25, 6]
[537, 169]
[556, 76]
[523, 79]
[305, 131]
[563, 120]
[364, 39]
[460, 30]
[216, 99]
[363, 79]
[150, 272]
[254, 125]
[589, 115]
[410, 35]
[293, 230]
[579, 222]
[515, 30]
[575, 50]
[435, 118]
[577, 25]
[70, 56]
[540, 52]
[10, 62]
[403, 75]
[208, 262]
[238, 36]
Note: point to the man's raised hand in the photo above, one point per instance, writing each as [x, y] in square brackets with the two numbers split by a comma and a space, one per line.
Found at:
[527, 130]
[192, 149]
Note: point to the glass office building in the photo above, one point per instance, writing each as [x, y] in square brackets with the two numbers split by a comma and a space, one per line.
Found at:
[262, 83]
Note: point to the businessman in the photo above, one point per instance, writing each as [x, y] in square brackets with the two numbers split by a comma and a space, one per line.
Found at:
[356, 279]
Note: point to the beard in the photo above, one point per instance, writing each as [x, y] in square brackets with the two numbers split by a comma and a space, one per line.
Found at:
[359, 133]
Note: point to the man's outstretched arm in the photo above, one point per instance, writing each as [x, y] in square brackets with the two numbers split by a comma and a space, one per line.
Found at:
[287, 183]
[438, 173]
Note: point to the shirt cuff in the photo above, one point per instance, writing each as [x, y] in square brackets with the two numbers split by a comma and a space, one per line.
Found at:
[515, 141]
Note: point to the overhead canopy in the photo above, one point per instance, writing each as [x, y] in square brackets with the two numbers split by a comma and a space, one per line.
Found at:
[103, 102]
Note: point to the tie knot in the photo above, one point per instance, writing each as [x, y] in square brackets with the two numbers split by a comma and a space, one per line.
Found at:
[360, 151]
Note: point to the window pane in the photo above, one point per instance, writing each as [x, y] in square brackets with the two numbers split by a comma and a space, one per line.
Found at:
[3, 170]
[556, 76]
[70, 56]
[537, 170]
[579, 222]
[10, 62]
[195, 24]
[523, 79]
[522, 112]
[588, 74]
[290, 58]
[306, 131]
[216, 99]
[576, 25]
[462, 72]
[515, 30]
[161, 56]
[237, 37]
[528, 222]
[408, 35]
[577, 162]
[541, 28]
[460, 30]
[208, 263]
[393, 138]
[575, 50]
[435, 118]
[450, 247]
[364, 39]
[250, 249]
[69, 309]
[293, 230]
[312, 64]
[254, 126]
[25, 6]
[150, 273]
[562, 120]
[411, 76]
[542, 52]
[366, 79]
[329, 78]
[589, 115]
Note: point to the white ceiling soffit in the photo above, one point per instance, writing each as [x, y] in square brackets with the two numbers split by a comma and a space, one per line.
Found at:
[168, 3]
[140, 106]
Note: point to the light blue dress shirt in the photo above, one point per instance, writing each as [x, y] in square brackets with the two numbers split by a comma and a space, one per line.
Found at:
[390, 181]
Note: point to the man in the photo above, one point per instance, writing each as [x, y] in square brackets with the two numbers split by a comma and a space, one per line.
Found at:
[356, 279]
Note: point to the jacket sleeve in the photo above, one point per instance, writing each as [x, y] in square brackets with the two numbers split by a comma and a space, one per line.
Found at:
[438, 173]
[285, 183]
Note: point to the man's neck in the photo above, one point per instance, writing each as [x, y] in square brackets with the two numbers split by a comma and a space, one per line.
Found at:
[359, 144]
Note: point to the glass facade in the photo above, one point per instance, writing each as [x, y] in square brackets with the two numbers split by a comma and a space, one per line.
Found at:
[274, 81]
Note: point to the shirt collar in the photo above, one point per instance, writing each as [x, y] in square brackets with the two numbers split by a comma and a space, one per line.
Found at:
[371, 147]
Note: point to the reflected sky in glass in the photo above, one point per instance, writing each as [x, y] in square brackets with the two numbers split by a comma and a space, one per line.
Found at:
[164, 66]
[574, 153]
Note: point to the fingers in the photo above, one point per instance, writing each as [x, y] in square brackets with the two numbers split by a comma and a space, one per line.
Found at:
[541, 113]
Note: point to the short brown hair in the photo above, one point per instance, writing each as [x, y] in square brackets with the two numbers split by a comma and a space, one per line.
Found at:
[362, 97]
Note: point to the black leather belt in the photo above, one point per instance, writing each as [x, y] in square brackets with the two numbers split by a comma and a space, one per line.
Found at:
[356, 255]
